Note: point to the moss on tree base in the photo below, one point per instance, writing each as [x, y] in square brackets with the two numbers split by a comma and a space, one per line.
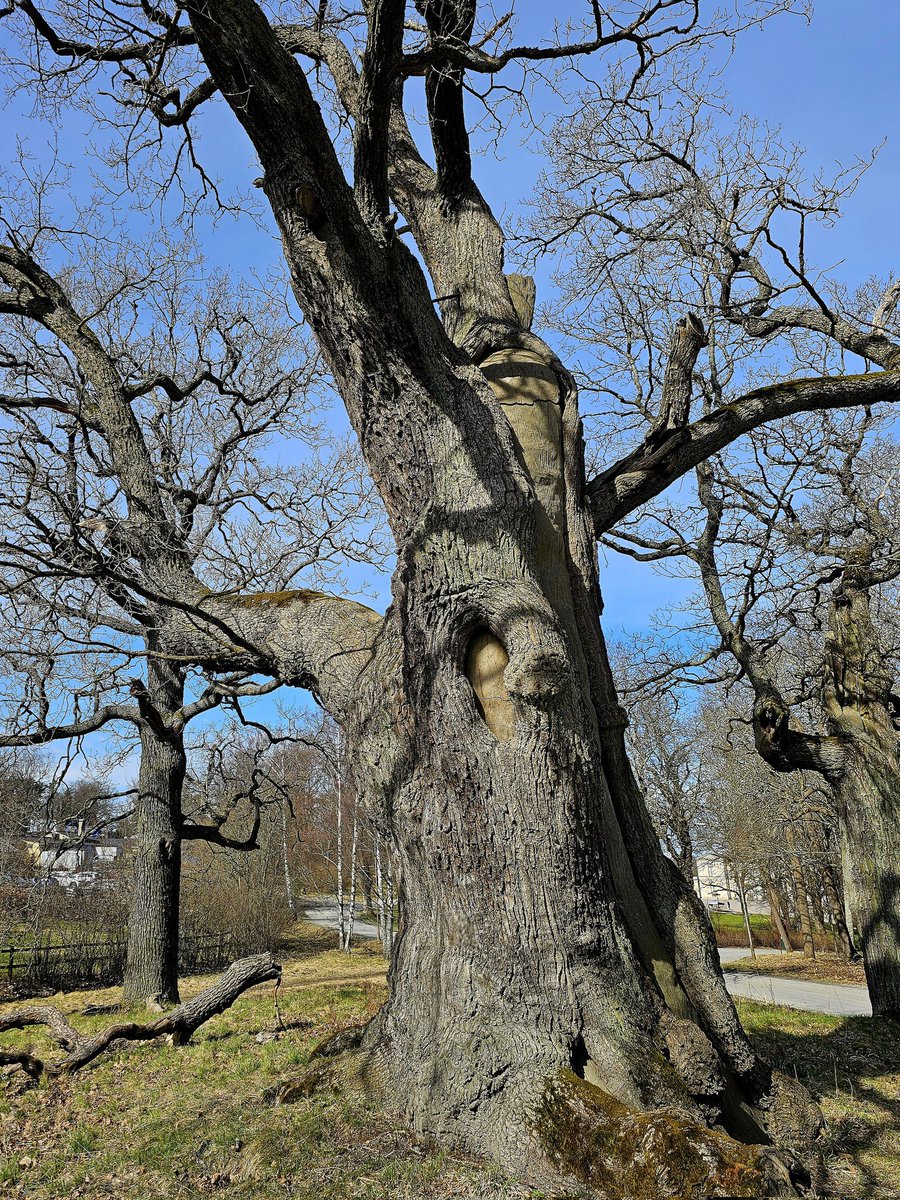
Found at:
[619, 1153]
[582, 1140]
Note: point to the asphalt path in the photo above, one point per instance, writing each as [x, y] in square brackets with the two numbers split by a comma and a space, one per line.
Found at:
[325, 912]
[837, 999]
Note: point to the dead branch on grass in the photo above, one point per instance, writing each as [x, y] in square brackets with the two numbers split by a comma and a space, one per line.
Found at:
[179, 1024]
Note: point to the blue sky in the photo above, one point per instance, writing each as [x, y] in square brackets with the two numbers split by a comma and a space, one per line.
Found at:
[833, 85]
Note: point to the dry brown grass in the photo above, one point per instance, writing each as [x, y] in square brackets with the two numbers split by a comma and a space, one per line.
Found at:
[824, 968]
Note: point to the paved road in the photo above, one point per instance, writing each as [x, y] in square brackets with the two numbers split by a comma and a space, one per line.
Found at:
[838, 999]
[325, 912]
[730, 954]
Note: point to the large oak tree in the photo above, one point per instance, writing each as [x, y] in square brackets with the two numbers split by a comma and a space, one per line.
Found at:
[555, 997]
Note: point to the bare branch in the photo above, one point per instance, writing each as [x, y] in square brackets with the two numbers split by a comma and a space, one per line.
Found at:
[648, 471]
[75, 729]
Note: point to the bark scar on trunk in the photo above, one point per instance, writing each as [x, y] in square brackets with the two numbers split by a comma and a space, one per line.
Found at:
[486, 661]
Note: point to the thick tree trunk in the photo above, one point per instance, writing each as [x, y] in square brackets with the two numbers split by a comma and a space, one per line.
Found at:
[151, 969]
[867, 795]
[555, 996]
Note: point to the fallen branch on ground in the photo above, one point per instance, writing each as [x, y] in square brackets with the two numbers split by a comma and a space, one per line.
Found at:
[179, 1024]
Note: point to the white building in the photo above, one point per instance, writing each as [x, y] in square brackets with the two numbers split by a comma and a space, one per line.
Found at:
[78, 864]
[715, 884]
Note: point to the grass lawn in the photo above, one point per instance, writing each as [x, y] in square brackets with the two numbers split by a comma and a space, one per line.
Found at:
[852, 1067]
[824, 968]
[730, 920]
[160, 1122]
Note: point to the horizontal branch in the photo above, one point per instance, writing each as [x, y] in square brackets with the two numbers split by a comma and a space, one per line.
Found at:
[58, 733]
[454, 51]
[212, 835]
[872, 344]
[304, 638]
[179, 1024]
[651, 468]
[786, 749]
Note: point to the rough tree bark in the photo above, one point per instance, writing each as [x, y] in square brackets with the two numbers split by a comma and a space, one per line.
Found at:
[859, 704]
[151, 967]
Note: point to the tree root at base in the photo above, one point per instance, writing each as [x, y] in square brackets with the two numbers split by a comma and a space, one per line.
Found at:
[578, 1138]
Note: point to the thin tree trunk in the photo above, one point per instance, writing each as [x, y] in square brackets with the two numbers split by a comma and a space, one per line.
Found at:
[379, 891]
[286, 863]
[775, 910]
[739, 877]
[151, 968]
[801, 897]
[341, 902]
[389, 910]
[842, 942]
[351, 911]
[818, 912]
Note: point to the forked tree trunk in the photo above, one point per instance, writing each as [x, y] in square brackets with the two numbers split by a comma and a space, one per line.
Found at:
[151, 969]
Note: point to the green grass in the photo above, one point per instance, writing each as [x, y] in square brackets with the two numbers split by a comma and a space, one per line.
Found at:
[852, 1067]
[172, 1122]
[728, 920]
[165, 1122]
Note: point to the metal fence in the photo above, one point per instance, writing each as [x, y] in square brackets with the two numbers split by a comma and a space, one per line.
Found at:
[52, 964]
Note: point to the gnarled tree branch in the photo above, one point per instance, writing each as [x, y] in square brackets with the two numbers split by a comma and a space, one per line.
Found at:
[306, 638]
[179, 1025]
[648, 470]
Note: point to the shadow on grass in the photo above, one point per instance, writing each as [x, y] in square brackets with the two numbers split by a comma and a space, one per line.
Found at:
[852, 1067]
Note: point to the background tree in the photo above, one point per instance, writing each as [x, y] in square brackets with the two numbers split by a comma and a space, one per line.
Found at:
[143, 411]
[555, 989]
[666, 754]
[793, 534]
